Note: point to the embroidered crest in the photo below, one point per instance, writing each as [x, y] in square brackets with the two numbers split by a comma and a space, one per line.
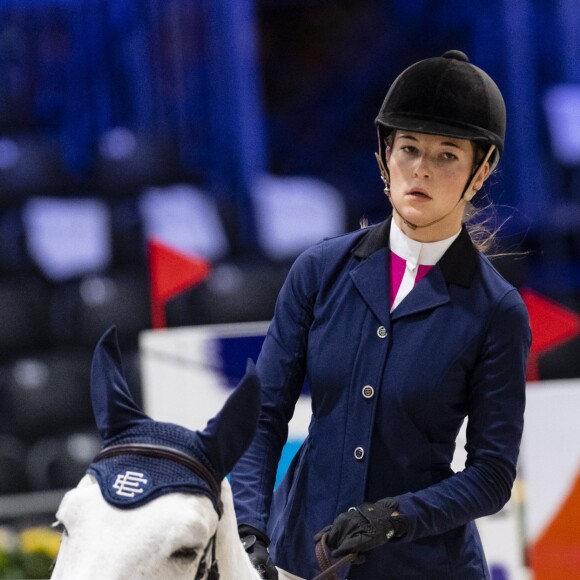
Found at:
[131, 483]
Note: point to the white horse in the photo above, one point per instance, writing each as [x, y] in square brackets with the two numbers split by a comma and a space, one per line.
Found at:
[155, 503]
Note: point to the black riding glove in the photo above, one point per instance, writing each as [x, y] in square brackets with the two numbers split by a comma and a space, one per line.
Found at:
[364, 527]
[256, 545]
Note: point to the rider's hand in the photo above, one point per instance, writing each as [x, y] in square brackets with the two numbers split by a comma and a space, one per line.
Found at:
[256, 545]
[364, 527]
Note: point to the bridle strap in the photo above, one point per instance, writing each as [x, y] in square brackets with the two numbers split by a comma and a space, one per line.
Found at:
[329, 570]
[162, 452]
[212, 572]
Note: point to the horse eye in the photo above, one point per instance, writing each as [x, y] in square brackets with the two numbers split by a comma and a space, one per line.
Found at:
[185, 554]
[59, 526]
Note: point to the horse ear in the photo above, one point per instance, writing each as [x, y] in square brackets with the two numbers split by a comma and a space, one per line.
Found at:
[228, 435]
[113, 405]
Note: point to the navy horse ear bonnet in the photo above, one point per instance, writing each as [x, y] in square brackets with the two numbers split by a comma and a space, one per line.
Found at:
[128, 480]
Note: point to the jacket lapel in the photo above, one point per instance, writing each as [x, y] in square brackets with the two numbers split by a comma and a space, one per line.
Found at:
[372, 279]
[429, 293]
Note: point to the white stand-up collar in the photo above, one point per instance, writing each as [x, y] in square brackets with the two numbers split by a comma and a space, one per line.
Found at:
[414, 252]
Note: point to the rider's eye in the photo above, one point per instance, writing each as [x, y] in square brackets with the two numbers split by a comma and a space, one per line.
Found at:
[185, 554]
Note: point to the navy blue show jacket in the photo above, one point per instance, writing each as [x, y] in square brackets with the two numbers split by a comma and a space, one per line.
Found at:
[389, 393]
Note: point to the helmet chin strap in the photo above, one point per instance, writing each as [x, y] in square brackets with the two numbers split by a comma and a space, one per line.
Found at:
[468, 192]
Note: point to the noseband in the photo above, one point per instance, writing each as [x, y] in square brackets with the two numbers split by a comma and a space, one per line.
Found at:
[195, 466]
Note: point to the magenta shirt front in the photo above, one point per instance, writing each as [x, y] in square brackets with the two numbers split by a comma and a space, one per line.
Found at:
[397, 270]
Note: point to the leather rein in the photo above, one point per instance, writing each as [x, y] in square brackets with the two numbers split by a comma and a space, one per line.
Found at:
[329, 570]
[196, 467]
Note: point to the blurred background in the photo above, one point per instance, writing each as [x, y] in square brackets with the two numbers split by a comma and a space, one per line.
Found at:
[238, 131]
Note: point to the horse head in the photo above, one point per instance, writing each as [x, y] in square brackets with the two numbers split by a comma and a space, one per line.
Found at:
[155, 502]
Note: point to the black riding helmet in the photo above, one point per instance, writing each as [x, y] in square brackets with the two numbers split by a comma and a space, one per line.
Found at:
[445, 95]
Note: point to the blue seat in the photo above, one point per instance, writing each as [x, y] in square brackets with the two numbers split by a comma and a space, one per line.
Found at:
[83, 309]
[60, 462]
[24, 313]
[46, 393]
[13, 478]
[30, 164]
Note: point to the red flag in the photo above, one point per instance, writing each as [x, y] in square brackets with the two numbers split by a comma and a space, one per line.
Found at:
[170, 273]
[551, 325]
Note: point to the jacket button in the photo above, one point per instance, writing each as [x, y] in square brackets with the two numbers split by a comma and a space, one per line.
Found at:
[359, 453]
[368, 392]
[382, 332]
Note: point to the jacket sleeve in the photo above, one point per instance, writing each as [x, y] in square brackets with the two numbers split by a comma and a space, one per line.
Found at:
[494, 429]
[282, 369]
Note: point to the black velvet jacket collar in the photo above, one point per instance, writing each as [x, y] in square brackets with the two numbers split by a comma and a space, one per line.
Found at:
[458, 265]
